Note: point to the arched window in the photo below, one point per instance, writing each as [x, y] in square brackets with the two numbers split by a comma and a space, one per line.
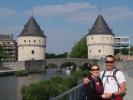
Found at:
[99, 51]
[32, 52]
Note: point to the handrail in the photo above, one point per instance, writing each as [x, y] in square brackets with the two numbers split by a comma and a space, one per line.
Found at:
[71, 94]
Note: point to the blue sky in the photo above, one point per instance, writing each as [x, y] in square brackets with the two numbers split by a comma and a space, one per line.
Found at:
[65, 21]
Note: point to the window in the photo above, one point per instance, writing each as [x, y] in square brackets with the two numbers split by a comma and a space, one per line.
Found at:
[24, 41]
[29, 41]
[34, 41]
[99, 51]
[90, 50]
[32, 52]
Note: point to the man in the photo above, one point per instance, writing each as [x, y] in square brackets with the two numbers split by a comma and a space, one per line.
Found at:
[111, 85]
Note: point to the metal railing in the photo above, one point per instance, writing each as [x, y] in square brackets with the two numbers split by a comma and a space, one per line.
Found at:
[71, 94]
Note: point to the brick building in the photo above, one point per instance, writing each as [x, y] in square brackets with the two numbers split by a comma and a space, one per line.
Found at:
[10, 47]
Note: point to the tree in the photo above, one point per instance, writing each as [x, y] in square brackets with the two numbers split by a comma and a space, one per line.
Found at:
[80, 49]
[125, 51]
[131, 50]
[52, 55]
[2, 53]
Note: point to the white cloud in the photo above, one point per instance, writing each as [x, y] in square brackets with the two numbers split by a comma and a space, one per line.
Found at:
[50, 10]
[81, 12]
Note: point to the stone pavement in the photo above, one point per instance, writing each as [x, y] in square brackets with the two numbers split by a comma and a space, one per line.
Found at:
[129, 84]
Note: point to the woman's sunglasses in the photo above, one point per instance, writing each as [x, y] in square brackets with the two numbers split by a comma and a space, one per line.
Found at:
[95, 69]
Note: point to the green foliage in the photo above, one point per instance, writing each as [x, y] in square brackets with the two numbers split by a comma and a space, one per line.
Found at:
[51, 65]
[52, 55]
[21, 73]
[80, 49]
[131, 50]
[2, 53]
[45, 89]
[35, 91]
[80, 74]
[125, 51]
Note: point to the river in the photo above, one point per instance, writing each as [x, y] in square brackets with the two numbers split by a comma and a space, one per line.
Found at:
[10, 85]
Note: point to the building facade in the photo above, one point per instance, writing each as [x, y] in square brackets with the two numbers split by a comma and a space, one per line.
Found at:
[10, 47]
[31, 42]
[122, 42]
[100, 40]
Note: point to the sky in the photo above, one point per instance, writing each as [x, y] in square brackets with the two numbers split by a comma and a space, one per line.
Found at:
[65, 22]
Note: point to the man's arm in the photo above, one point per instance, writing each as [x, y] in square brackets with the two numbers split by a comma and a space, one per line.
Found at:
[122, 89]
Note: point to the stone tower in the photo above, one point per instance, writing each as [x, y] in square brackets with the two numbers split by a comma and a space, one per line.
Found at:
[100, 40]
[31, 42]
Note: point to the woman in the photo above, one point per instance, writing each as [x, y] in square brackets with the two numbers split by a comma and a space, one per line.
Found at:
[92, 88]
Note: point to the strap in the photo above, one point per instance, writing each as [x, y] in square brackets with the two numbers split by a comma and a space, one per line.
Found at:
[103, 74]
[114, 75]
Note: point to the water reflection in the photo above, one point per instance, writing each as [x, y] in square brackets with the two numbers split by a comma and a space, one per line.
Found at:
[10, 85]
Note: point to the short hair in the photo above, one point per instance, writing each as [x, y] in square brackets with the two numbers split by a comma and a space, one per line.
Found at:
[110, 56]
[94, 65]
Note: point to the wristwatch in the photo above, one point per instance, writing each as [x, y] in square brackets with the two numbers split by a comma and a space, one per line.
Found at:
[113, 95]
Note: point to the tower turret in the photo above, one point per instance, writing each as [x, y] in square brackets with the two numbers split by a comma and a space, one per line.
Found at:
[100, 40]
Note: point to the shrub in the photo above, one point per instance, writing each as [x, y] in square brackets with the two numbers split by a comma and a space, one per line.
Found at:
[21, 73]
[46, 89]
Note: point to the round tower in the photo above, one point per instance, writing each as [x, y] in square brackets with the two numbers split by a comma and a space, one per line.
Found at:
[100, 40]
[31, 42]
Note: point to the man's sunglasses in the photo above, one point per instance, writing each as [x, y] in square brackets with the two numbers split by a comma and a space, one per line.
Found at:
[109, 61]
[95, 69]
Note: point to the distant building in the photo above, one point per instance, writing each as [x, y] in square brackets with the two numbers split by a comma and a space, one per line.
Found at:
[10, 47]
[122, 42]
[31, 42]
[100, 40]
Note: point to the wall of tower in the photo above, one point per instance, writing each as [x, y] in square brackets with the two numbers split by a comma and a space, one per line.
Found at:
[99, 46]
[31, 48]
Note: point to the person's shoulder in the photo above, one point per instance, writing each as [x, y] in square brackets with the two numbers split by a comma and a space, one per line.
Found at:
[119, 72]
[101, 73]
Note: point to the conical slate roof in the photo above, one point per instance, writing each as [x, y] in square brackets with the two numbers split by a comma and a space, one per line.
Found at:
[32, 29]
[100, 27]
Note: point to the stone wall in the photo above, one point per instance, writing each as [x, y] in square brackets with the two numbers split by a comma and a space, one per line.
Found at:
[14, 65]
[30, 66]
[35, 65]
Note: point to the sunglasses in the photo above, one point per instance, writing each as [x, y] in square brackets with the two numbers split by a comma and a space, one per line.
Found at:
[95, 69]
[109, 61]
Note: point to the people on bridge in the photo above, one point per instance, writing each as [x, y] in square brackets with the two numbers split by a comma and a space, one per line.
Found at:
[93, 87]
[113, 81]
[67, 71]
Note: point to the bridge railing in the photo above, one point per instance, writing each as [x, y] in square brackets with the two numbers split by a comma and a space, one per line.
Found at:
[72, 94]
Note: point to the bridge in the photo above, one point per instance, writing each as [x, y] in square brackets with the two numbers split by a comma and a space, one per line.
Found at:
[40, 65]
[77, 62]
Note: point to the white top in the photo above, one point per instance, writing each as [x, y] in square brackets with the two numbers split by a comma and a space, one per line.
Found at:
[110, 84]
